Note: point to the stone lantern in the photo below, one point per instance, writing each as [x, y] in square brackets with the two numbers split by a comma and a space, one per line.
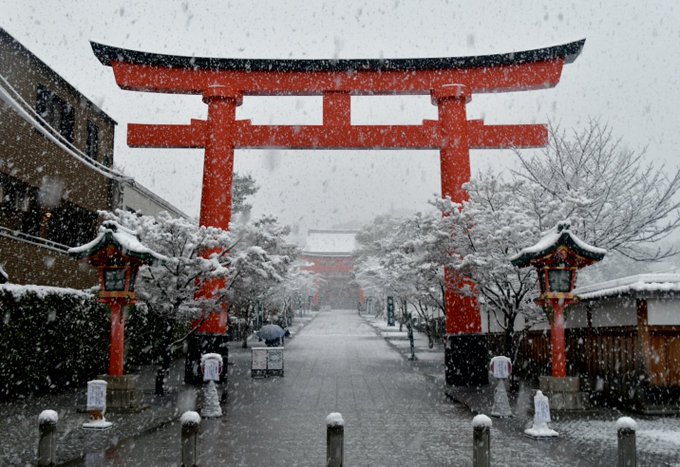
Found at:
[557, 257]
[118, 254]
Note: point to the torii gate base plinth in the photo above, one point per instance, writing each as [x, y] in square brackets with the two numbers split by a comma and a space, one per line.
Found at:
[450, 82]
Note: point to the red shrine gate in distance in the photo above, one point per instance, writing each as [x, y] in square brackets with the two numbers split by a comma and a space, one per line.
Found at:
[450, 82]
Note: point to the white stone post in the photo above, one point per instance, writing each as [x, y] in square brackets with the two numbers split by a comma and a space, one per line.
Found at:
[47, 448]
[335, 433]
[211, 367]
[501, 368]
[481, 441]
[190, 422]
[540, 427]
[627, 455]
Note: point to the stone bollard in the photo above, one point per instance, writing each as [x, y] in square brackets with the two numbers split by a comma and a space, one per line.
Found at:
[190, 422]
[335, 433]
[627, 456]
[47, 425]
[481, 441]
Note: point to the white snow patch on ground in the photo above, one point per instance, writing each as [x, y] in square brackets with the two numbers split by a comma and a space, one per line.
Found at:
[655, 436]
[671, 437]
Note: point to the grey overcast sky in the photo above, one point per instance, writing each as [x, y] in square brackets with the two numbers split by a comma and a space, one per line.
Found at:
[628, 75]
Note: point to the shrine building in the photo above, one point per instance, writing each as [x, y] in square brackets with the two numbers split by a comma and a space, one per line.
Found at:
[330, 254]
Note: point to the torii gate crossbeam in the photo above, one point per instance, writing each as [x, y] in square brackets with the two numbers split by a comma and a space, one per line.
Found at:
[449, 81]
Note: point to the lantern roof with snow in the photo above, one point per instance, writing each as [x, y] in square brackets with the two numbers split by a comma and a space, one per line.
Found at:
[558, 246]
[115, 245]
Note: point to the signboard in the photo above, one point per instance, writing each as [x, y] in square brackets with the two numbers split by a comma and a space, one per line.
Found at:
[541, 408]
[390, 311]
[211, 370]
[259, 358]
[275, 358]
[501, 367]
[96, 395]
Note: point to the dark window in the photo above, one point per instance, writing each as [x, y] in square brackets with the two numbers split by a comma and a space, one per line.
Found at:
[72, 225]
[55, 112]
[92, 148]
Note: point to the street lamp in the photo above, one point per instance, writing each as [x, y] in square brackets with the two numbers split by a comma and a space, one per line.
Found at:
[557, 257]
[118, 254]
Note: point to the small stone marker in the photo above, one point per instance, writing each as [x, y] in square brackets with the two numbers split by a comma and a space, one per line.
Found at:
[501, 368]
[96, 405]
[540, 427]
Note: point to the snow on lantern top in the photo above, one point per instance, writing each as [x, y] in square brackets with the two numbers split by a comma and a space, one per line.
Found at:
[115, 246]
[558, 246]
[118, 254]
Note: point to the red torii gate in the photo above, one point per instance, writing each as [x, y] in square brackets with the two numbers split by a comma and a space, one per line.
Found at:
[449, 81]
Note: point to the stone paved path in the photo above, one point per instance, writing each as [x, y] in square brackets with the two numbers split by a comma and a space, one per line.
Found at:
[393, 415]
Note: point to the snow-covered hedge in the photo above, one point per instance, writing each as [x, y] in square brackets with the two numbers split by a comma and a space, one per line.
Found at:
[50, 339]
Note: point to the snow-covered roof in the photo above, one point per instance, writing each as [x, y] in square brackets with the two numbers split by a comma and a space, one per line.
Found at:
[553, 239]
[330, 243]
[641, 284]
[123, 238]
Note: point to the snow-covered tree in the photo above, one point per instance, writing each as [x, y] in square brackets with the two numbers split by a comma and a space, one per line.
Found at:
[259, 260]
[297, 285]
[168, 288]
[613, 197]
[404, 259]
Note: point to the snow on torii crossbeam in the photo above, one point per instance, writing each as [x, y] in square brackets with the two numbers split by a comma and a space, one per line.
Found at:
[450, 82]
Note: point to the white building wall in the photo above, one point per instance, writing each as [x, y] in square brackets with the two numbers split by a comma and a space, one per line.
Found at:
[663, 312]
[139, 199]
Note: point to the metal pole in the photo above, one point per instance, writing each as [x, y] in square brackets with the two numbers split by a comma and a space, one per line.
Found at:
[47, 425]
[481, 441]
[627, 455]
[335, 433]
[190, 422]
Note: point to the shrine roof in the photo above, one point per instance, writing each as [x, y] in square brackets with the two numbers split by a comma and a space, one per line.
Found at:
[655, 284]
[108, 54]
[330, 243]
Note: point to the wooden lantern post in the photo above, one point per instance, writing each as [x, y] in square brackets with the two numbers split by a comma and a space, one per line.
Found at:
[557, 257]
[118, 254]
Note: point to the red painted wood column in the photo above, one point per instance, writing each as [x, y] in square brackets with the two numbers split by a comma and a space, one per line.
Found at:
[117, 339]
[559, 357]
[462, 311]
[218, 175]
